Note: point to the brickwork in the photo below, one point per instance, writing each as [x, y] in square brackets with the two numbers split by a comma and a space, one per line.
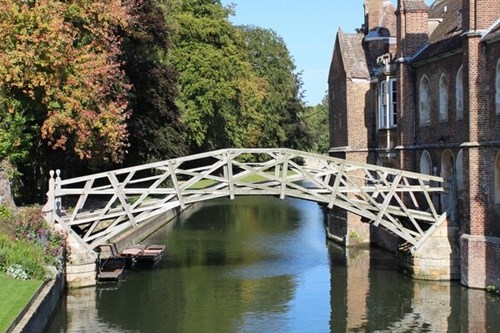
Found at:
[360, 118]
[448, 131]
[493, 57]
[475, 136]
[412, 26]
[337, 95]
[480, 14]
[480, 258]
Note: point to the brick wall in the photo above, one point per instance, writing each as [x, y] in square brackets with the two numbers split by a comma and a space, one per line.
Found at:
[360, 115]
[480, 14]
[480, 258]
[493, 56]
[337, 95]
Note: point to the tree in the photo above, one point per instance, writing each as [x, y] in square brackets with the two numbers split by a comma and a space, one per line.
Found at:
[316, 118]
[220, 96]
[156, 130]
[61, 85]
[59, 63]
[282, 105]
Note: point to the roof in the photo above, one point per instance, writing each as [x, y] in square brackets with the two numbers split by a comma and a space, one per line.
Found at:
[414, 5]
[493, 34]
[353, 55]
[446, 37]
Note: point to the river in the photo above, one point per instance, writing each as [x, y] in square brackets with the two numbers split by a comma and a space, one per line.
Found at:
[260, 264]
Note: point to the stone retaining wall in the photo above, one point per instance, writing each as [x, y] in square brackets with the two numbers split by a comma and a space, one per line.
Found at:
[37, 315]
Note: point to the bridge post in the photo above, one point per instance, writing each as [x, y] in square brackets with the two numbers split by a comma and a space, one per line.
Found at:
[438, 258]
[48, 208]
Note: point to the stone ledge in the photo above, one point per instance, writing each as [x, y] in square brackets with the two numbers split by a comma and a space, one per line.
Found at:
[38, 313]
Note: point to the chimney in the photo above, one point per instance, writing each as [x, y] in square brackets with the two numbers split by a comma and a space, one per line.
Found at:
[412, 20]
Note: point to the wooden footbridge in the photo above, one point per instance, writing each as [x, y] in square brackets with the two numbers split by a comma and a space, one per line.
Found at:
[96, 207]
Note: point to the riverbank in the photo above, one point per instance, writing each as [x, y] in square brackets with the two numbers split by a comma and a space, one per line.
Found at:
[43, 301]
[14, 296]
[37, 314]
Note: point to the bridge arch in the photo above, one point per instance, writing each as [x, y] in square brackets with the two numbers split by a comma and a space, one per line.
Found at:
[97, 207]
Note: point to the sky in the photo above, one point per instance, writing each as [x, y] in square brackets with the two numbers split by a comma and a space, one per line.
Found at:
[308, 28]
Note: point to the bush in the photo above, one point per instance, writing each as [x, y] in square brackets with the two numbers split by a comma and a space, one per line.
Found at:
[29, 245]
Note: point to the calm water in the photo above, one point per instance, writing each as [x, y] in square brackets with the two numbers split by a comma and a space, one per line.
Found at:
[259, 264]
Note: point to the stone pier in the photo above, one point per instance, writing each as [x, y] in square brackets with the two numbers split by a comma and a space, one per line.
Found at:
[81, 265]
[437, 259]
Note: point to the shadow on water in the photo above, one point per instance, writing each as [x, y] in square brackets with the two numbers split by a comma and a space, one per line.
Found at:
[259, 264]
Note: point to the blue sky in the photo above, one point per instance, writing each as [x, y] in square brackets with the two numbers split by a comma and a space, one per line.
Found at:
[308, 29]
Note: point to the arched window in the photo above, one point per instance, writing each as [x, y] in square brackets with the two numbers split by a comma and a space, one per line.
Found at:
[497, 179]
[424, 102]
[459, 94]
[460, 173]
[443, 98]
[426, 163]
[448, 198]
[497, 94]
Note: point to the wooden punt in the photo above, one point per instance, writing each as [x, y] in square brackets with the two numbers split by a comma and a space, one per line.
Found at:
[111, 269]
[150, 254]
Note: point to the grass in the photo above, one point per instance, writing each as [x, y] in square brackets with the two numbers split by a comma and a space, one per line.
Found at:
[255, 178]
[14, 296]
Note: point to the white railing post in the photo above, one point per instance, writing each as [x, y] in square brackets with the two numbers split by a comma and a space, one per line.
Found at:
[48, 208]
[57, 191]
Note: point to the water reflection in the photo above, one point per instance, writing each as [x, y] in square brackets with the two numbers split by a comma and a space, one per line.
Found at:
[262, 265]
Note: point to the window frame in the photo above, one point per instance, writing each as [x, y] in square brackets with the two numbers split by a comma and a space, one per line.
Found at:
[443, 98]
[459, 94]
[387, 103]
[497, 89]
[424, 105]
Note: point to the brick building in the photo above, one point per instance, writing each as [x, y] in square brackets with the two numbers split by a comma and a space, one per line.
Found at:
[417, 87]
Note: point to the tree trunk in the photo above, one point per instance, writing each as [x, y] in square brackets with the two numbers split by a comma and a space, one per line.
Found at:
[6, 198]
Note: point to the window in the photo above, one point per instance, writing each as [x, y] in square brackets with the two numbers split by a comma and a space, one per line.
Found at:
[497, 84]
[425, 163]
[387, 104]
[497, 180]
[424, 102]
[443, 98]
[459, 92]
[394, 103]
[460, 173]
[448, 198]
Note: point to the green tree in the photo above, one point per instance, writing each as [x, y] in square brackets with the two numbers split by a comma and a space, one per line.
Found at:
[156, 130]
[282, 105]
[220, 96]
[316, 118]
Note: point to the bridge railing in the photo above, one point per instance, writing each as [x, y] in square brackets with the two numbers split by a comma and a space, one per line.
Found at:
[97, 207]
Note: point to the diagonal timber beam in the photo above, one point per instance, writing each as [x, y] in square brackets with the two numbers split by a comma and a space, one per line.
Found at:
[382, 195]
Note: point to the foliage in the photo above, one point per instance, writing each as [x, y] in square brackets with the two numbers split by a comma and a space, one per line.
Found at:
[156, 131]
[282, 106]
[15, 139]
[28, 244]
[220, 95]
[60, 78]
[316, 118]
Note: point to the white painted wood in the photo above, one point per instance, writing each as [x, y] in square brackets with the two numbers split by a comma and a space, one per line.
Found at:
[109, 202]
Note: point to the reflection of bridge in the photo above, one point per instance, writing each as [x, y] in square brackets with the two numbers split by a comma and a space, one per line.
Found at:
[97, 207]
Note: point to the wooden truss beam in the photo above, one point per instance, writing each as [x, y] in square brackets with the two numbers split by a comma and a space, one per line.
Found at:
[97, 207]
